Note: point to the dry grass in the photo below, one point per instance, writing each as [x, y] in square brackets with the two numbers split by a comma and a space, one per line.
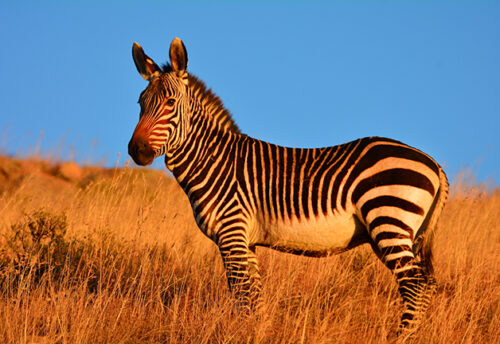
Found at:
[123, 262]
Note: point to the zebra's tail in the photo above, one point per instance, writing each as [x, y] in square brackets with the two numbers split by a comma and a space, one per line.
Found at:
[424, 244]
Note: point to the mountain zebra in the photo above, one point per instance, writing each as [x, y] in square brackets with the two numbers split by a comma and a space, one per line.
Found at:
[315, 202]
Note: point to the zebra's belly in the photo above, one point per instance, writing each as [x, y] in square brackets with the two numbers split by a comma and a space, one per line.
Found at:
[316, 236]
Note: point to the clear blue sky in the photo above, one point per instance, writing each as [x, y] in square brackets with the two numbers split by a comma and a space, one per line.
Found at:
[302, 74]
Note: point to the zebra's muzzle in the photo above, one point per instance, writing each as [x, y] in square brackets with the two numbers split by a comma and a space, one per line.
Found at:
[141, 151]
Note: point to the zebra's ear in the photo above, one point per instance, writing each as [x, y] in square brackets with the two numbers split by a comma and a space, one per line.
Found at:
[144, 64]
[179, 58]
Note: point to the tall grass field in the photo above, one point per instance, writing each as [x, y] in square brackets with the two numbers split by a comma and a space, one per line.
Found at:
[93, 255]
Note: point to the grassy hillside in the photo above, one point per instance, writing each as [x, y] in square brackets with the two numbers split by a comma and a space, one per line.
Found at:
[89, 255]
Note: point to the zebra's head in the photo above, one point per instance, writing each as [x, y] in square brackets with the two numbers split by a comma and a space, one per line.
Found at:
[164, 120]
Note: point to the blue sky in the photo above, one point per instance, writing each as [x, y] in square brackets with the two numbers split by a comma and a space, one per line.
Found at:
[302, 74]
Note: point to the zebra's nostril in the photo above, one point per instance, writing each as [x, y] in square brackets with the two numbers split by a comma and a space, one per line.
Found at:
[141, 145]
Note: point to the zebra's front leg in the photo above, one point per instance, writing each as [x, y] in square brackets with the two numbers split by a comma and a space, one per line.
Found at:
[255, 280]
[242, 270]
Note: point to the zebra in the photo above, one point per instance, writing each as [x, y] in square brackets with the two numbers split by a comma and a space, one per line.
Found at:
[316, 202]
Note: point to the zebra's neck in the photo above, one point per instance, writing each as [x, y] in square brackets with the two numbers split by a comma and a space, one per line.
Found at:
[211, 132]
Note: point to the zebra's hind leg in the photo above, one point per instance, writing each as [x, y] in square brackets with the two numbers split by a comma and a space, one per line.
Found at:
[392, 241]
[416, 287]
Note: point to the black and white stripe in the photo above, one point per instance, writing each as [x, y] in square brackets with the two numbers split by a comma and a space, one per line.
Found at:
[246, 193]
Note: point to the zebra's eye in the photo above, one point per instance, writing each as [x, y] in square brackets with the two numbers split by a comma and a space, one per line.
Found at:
[171, 102]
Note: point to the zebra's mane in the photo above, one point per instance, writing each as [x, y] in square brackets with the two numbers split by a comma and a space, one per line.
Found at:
[213, 104]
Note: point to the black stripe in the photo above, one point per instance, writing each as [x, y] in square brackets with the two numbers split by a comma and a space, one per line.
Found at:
[281, 180]
[266, 170]
[399, 263]
[317, 168]
[331, 154]
[194, 141]
[223, 154]
[299, 160]
[389, 235]
[274, 179]
[233, 208]
[224, 181]
[358, 148]
[259, 186]
[305, 184]
[395, 176]
[289, 184]
[406, 317]
[230, 223]
[390, 201]
[244, 162]
[383, 151]
[412, 272]
[340, 156]
[386, 220]
[395, 249]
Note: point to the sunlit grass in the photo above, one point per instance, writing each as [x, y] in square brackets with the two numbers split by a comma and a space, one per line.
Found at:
[126, 264]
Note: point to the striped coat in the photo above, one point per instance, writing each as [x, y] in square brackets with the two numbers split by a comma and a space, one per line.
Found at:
[246, 193]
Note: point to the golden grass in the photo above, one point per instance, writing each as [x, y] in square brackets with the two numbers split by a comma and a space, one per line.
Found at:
[136, 269]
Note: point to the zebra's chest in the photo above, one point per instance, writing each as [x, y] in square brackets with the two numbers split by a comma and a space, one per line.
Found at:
[316, 235]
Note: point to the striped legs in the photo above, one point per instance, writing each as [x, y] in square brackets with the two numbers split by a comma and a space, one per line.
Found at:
[255, 280]
[416, 287]
[242, 270]
[393, 245]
